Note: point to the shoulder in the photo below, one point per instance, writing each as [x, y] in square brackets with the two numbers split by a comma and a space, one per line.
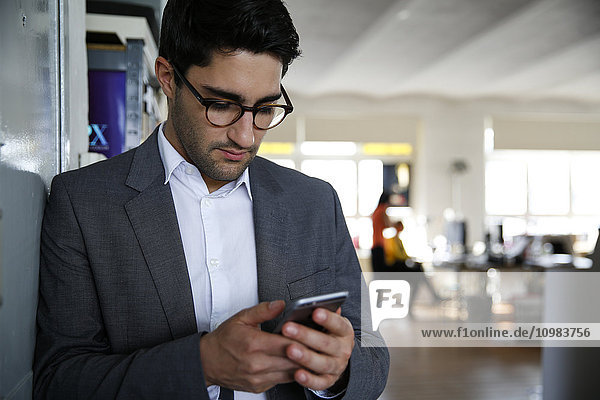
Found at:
[289, 179]
[97, 180]
[308, 197]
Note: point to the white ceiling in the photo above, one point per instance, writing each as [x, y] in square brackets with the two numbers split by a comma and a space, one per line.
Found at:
[524, 49]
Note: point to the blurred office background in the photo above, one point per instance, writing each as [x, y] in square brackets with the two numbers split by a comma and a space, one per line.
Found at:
[482, 116]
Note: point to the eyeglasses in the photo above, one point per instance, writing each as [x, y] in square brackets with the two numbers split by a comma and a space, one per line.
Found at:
[223, 112]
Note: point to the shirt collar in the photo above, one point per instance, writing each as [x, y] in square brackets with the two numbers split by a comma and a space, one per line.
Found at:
[172, 159]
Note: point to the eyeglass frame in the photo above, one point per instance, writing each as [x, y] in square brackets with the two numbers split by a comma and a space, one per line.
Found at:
[206, 103]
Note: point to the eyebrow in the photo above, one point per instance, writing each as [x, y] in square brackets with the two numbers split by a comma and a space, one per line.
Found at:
[223, 94]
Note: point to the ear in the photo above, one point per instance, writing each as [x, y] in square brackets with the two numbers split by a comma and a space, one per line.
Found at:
[166, 76]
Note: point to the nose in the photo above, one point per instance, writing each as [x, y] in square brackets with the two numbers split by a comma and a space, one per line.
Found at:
[242, 132]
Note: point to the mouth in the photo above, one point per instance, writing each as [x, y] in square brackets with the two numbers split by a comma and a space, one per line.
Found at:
[233, 155]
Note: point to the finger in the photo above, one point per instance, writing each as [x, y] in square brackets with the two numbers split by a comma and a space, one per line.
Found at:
[316, 362]
[261, 382]
[334, 323]
[311, 338]
[280, 376]
[251, 341]
[312, 381]
[267, 364]
[269, 343]
[261, 312]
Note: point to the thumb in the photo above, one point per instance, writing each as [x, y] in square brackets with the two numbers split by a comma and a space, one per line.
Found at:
[261, 312]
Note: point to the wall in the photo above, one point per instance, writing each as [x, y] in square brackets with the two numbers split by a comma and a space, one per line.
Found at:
[547, 132]
[30, 156]
[74, 88]
[42, 64]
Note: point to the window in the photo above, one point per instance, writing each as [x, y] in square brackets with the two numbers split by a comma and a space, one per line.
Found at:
[355, 170]
[342, 176]
[548, 185]
[370, 185]
[585, 189]
[545, 192]
[506, 187]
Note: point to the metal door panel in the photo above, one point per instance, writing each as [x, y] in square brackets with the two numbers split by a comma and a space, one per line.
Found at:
[29, 158]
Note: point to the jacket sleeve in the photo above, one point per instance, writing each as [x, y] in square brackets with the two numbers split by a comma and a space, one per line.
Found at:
[73, 357]
[369, 363]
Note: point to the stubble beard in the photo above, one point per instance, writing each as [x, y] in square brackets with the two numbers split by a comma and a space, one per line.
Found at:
[203, 154]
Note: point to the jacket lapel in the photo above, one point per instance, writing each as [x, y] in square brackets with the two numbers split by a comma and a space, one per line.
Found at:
[270, 222]
[154, 220]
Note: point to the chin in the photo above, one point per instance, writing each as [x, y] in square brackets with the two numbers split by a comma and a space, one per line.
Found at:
[230, 171]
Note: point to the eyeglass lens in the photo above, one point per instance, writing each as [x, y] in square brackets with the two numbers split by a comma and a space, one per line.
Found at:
[225, 113]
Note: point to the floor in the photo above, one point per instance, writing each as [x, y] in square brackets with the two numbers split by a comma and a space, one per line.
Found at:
[463, 373]
[483, 373]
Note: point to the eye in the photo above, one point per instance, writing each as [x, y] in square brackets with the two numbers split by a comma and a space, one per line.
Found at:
[266, 110]
[222, 106]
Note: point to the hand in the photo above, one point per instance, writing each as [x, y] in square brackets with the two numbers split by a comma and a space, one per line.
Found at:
[324, 355]
[239, 356]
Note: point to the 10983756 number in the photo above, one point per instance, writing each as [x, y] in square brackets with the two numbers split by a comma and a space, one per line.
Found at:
[562, 332]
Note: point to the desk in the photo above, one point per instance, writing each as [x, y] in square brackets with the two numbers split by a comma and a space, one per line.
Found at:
[561, 261]
[470, 262]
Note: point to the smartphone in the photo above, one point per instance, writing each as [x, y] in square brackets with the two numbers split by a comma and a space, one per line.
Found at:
[300, 310]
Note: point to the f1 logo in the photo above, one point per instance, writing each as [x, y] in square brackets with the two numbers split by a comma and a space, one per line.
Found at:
[381, 296]
[389, 300]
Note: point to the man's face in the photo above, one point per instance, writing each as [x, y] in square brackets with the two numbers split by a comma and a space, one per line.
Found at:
[223, 153]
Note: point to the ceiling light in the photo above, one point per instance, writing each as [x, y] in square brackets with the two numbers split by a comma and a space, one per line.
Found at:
[328, 148]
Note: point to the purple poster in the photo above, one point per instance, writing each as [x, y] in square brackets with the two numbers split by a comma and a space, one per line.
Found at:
[106, 131]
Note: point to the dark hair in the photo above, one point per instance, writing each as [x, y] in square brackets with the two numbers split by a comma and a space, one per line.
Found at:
[192, 30]
[384, 198]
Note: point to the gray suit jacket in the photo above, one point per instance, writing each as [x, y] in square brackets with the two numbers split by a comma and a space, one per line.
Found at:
[116, 316]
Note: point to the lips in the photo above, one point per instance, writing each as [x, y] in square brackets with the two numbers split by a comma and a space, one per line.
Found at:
[233, 155]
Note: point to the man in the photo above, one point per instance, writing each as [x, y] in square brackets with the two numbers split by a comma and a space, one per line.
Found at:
[154, 262]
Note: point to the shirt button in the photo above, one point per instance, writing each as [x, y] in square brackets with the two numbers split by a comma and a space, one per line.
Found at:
[214, 262]
[207, 202]
[189, 170]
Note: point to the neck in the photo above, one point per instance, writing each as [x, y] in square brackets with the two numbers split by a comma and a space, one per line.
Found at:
[171, 137]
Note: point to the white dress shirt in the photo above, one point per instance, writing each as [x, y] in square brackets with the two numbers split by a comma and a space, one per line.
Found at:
[217, 231]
